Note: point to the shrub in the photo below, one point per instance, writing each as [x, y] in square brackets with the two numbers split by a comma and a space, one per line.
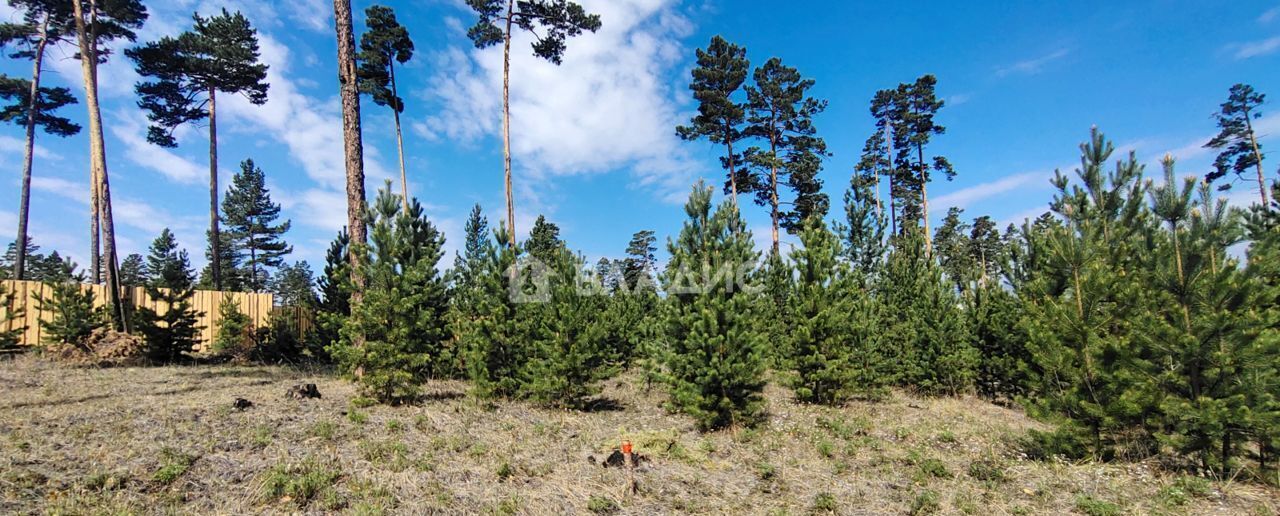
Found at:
[74, 317]
[11, 329]
[234, 333]
[601, 505]
[172, 465]
[926, 502]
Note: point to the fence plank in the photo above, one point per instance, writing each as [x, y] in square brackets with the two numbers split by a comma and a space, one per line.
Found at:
[205, 302]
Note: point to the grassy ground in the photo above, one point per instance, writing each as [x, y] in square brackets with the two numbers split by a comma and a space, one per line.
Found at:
[166, 440]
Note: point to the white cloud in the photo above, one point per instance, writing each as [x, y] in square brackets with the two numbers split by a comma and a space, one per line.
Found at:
[966, 197]
[1255, 48]
[130, 127]
[8, 225]
[607, 107]
[12, 149]
[1268, 15]
[71, 190]
[1032, 66]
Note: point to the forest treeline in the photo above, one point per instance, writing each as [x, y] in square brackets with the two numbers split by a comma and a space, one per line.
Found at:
[1140, 314]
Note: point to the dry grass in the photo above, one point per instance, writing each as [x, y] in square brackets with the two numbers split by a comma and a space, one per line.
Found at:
[166, 440]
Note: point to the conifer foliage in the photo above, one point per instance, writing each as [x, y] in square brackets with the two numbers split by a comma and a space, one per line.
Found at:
[402, 316]
[253, 228]
[74, 317]
[832, 321]
[11, 329]
[932, 348]
[170, 325]
[714, 357]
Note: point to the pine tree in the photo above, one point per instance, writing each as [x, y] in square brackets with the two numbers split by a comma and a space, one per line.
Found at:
[714, 361]
[234, 334]
[1203, 341]
[953, 249]
[402, 316]
[544, 241]
[551, 22]
[876, 162]
[255, 235]
[96, 26]
[465, 279]
[170, 324]
[931, 347]
[11, 317]
[10, 258]
[352, 145]
[780, 112]
[494, 338]
[234, 278]
[49, 268]
[832, 352]
[335, 294]
[631, 315]
[863, 229]
[1262, 381]
[44, 23]
[133, 271]
[910, 111]
[568, 352]
[381, 47]
[774, 277]
[1239, 150]
[219, 54]
[994, 315]
[294, 285]
[73, 317]
[1082, 300]
[721, 70]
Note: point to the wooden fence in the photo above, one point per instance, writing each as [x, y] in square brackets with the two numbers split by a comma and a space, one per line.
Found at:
[258, 307]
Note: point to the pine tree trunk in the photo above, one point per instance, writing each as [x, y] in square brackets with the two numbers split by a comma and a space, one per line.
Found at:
[924, 200]
[395, 111]
[733, 173]
[893, 208]
[95, 230]
[215, 240]
[353, 148]
[98, 155]
[506, 123]
[33, 102]
[1257, 155]
[773, 189]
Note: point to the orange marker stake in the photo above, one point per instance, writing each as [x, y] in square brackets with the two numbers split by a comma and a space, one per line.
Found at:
[631, 466]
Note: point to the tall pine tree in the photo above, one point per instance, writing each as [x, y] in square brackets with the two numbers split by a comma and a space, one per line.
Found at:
[780, 113]
[721, 70]
[252, 226]
[219, 54]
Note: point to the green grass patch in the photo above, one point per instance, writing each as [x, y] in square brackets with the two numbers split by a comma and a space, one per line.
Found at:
[172, 465]
[302, 483]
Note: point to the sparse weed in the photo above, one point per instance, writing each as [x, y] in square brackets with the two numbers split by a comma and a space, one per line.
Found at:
[172, 465]
[601, 505]
[1091, 506]
[302, 483]
[925, 502]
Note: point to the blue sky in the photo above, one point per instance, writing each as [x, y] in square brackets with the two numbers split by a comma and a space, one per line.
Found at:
[595, 147]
